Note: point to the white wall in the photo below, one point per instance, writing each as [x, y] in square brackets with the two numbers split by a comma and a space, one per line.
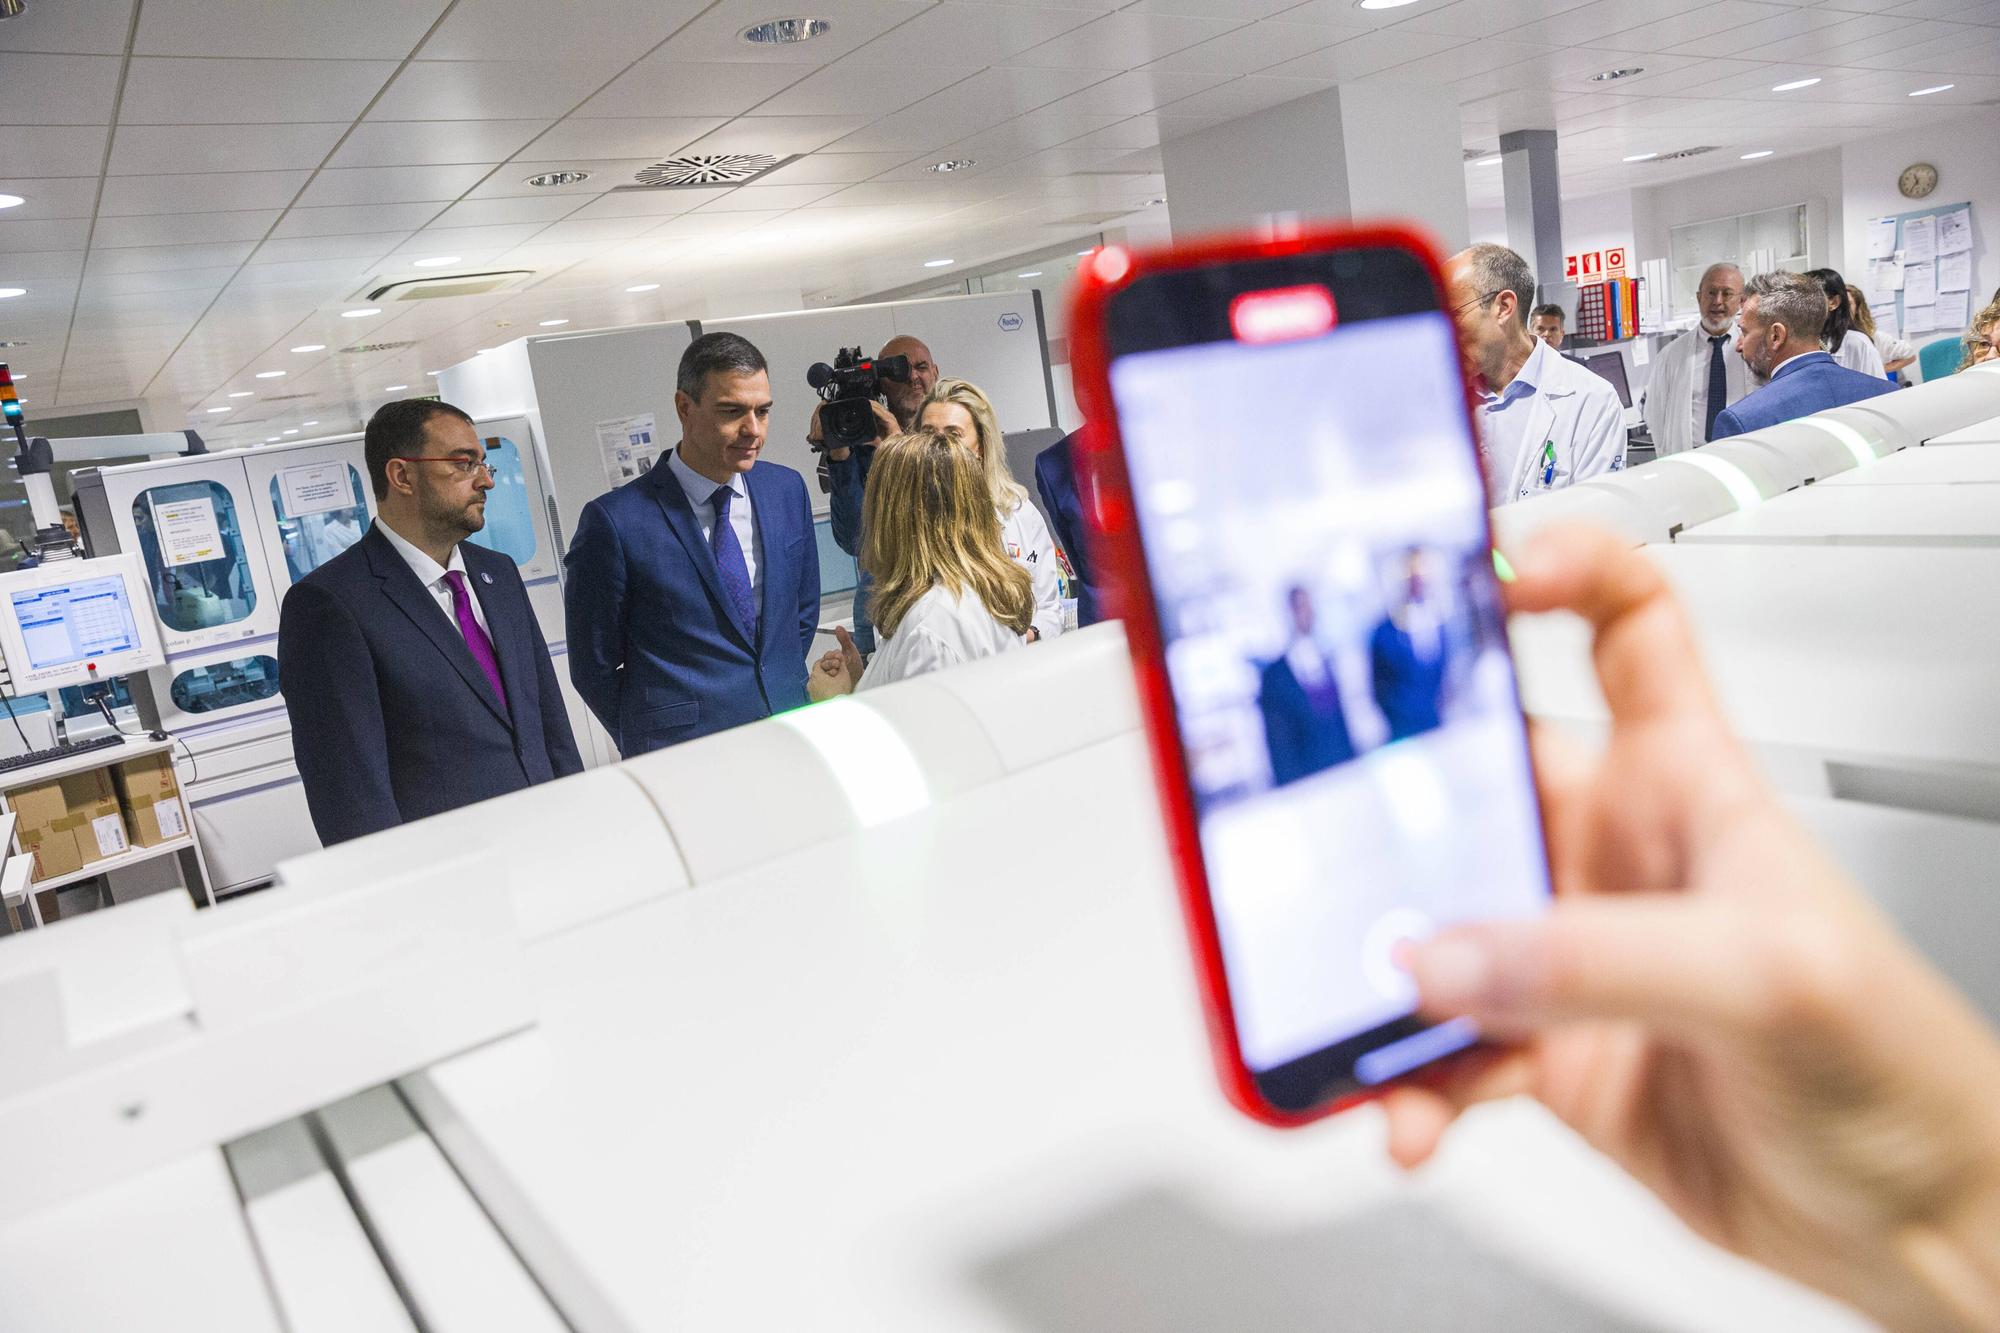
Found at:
[1968, 166]
[1810, 178]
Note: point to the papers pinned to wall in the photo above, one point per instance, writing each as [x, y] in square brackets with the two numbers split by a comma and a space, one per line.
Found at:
[1954, 236]
[1953, 310]
[1881, 237]
[1919, 284]
[1919, 240]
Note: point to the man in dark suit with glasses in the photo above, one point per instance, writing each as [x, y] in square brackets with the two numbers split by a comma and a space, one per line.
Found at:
[416, 677]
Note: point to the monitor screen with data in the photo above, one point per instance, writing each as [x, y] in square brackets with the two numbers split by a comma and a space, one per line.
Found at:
[73, 622]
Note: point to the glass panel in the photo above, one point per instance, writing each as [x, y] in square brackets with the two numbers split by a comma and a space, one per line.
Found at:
[245, 680]
[837, 570]
[320, 533]
[75, 705]
[510, 518]
[193, 548]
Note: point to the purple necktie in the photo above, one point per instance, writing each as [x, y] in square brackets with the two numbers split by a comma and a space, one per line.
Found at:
[476, 641]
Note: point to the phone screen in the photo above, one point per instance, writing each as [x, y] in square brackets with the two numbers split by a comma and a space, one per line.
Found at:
[1313, 522]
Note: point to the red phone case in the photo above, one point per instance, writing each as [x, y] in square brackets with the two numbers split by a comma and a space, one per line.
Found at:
[1130, 589]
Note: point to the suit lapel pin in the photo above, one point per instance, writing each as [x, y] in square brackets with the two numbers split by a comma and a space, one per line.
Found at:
[486, 578]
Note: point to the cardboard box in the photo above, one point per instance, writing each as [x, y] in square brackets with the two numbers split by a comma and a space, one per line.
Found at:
[70, 822]
[151, 797]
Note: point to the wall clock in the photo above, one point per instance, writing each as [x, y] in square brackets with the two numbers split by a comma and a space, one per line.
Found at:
[1917, 180]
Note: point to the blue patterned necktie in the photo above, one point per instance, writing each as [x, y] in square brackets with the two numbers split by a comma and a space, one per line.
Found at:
[1718, 385]
[729, 562]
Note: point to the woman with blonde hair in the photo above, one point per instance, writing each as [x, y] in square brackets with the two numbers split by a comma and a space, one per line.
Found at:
[944, 590]
[1895, 352]
[1982, 339]
[961, 411]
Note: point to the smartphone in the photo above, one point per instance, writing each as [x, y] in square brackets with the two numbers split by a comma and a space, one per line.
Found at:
[1291, 511]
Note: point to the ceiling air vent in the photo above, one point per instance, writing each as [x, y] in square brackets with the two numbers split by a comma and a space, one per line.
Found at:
[1685, 152]
[450, 284]
[705, 171]
[1475, 154]
[283, 397]
[363, 349]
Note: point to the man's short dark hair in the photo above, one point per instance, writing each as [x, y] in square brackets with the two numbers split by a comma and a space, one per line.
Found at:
[397, 430]
[716, 354]
[1554, 312]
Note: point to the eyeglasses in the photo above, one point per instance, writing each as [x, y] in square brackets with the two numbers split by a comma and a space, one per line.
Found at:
[1477, 300]
[464, 467]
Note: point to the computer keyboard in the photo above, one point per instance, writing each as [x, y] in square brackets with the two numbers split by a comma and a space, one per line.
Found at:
[63, 751]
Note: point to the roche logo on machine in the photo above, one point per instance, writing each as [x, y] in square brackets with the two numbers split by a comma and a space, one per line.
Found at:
[1011, 322]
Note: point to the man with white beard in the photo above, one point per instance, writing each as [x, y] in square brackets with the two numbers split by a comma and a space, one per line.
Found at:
[1698, 374]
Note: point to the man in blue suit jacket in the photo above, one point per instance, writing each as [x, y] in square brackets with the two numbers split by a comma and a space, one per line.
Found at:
[1055, 478]
[692, 595]
[1778, 332]
[1305, 726]
[416, 677]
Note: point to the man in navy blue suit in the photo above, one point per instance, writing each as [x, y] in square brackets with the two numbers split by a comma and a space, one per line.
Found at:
[416, 677]
[693, 592]
[1778, 333]
[1055, 478]
[1305, 727]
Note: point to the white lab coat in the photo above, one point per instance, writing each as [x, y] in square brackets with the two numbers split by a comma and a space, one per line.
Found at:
[1857, 352]
[1892, 349]
[1574, 417]
[1029, 545]
[1679, 370]
[939, 632]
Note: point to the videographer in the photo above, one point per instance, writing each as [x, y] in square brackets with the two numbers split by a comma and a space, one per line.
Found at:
[844, 469]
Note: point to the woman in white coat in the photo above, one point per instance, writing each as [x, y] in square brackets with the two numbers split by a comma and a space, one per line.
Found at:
[961, 411]
[1849, 345]
[943, 591]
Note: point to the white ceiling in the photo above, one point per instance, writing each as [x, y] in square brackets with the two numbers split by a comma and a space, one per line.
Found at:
[210, 183]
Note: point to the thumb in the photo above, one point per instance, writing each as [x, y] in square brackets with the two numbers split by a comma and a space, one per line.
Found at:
[846, 639]
[1675, 963]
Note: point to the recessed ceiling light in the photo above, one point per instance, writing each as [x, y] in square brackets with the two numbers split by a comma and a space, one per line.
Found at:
[939, 263]
[1793, 86]
[1492, 161]
[550, 179]
[270, 374]
[1385, 4]
[553, 323]
[218, 409]
[435, 261]
[242, 393]
[433, 372]
[362, 313]
[11, 201]
[1082, 253]
[955, 164]
[6, 292]
[395, 388]
[288, 432]
[1642, 157]
[308, 423]
[784, 32]
[270, 439]
[1611, 75]
[482, 352]
[1761, 152]
[644, 287]
[1032, 273]
[311, 347]
[1921, 92]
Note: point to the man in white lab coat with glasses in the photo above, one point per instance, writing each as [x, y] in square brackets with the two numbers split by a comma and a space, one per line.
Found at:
[1545, 422]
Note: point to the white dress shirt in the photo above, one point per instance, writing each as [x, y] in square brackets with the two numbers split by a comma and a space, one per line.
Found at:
[1677, 400]
[1857, 352]
[431, 574]
[701, 498]
[940, 631]
[1029, 545]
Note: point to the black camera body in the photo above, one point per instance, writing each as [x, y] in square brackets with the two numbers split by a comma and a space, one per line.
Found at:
[848, 387]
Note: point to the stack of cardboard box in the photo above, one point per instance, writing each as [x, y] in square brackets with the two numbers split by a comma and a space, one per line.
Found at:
[69, 822]
[152, 799]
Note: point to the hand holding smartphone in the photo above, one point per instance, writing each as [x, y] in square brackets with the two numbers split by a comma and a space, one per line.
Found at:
[1293, 514]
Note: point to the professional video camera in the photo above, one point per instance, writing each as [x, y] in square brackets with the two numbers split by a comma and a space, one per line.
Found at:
[848, 386]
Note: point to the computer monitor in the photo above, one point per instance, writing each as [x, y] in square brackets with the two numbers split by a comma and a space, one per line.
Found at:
[1610, 367]
[74, 622]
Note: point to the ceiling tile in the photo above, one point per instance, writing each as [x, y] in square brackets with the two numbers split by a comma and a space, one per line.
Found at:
[1122, 40]
[491, 89]
[1139, 91]
[392, 185]
[1362, 56]
[1253, 48]
[50, 197]
[847, 90]
[45, 264]
[967, 34]
[835, 168]
[355, 219]
[57, 90]
[651, 203]
[83, 27]
[284, 249]
[511, 179]
[499, 212]
[47, 234]
[147, 150]
[1480, 18]
[300, 271]
[415, 143]
[1243, 10]
[163, 280]
[468, 240]
[713, 36]
[530, 30]
[52, 150]
[153, 258]
[352, 29]
[656, 87]
[764, 198]
[163, 90]
[593, 140]
[182, 228]
[594, 230]
[130, 196]
[778, 135]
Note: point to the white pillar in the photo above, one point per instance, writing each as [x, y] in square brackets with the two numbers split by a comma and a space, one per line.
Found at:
[1367, 151]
